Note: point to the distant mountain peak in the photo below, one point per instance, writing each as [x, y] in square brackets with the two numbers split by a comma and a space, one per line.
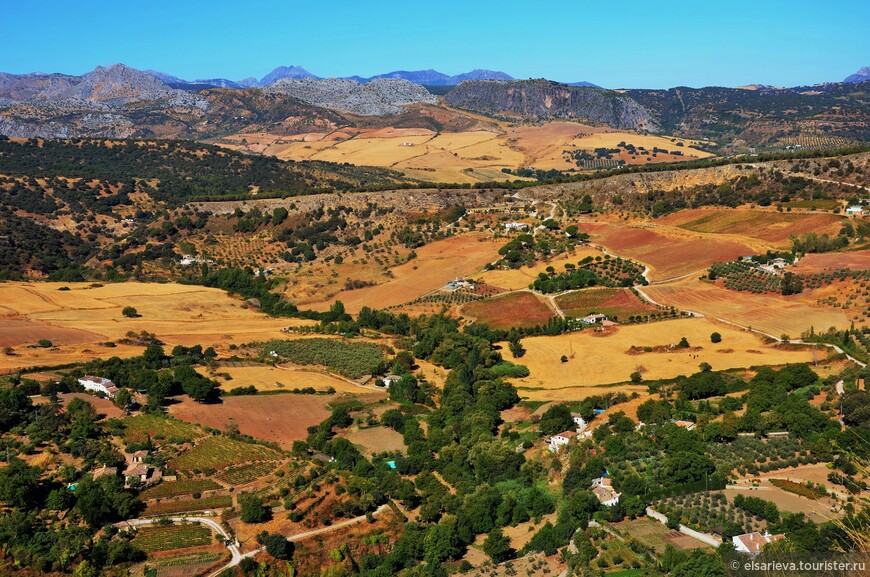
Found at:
[282, 72]
[862, 75]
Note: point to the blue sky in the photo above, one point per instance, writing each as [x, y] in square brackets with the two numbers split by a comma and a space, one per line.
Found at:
[651, 44]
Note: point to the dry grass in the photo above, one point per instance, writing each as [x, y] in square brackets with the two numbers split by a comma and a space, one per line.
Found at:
[515, 279]
[855, 260]
[436, 264]
[469, 156]
[613, 302]
[376, 440]
[285, 377]
[602, 360]
[177, 314]
[767, 225]
[775, 315]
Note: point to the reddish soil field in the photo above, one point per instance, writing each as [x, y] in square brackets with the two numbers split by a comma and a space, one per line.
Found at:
[520, 309]
[104, 407]
[668, 257]
[280, 418]
[613, 302]
[856, 260]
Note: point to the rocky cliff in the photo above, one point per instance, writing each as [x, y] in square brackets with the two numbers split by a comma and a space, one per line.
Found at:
[543, 99]
[380, 97]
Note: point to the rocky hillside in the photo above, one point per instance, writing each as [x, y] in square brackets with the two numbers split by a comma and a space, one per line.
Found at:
[543, 99]
[757, 115]
[380, 97]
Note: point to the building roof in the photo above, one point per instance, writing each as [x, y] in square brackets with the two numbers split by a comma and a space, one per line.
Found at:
[604, 494]
[685, 424]
[97, 380]
[136, 470]
[567, 434]
[755, 542]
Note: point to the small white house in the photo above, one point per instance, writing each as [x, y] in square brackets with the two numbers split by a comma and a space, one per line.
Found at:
[593, 318]
[579, 421]
[855, 210]
[390, 380]
[603, 490]
[753, 543]
[99, 385]
[516, 226]
[560, 440]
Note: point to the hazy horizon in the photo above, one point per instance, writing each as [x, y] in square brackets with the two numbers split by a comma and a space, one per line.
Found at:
[639, 45]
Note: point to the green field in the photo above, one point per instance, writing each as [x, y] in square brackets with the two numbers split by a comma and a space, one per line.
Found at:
[206, 503]
[161, 430]
[215, 453]
[351, 359]
[179, 488]
[168, 537]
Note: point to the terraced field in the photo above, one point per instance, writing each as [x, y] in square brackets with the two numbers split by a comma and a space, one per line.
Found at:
[167, 537]
[218, 452]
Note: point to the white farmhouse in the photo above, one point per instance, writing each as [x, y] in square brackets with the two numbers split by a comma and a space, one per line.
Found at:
[753, 543]
[560, 440]
[99, 385]
[516, 226]
[603, 490]
[855, 210]
[579, 421]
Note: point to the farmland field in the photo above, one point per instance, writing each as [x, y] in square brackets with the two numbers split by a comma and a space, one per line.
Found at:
[155, 508]
[377, 440]
[168, 537]
[616, 303]
[161, 429]
[285, 377]
[87, 316]
[246, 473]
[652, 533]
[352, 359]
[603, 358]
[771, 226]
[821, 262]
[772, 314]
[214, 453]
[437, 263]
[520, 278]
[458, 156]
[103, 406]
[668, 255]
[280, 418]
[179, 488]
[519, 309]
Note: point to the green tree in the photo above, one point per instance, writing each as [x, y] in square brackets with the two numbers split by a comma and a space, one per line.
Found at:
[556, 419]
[253, 510]
[498, 546]
[19, 484]
[715, 338]
[130, 312]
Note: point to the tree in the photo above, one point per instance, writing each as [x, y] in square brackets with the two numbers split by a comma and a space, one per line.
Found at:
[277, 546]
[498, 546]
[19, 484]
[123, 398]
[555, 420]
[684, 343]
[253, 510]
[636, 377]
[715, 338]
[130, 312]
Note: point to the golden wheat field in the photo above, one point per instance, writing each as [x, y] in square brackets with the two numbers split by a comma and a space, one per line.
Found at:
[280, 378]
[437, 263]
[78, 320]
[603, 358]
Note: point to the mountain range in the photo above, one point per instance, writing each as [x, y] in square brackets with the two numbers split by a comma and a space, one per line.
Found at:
[423, 77]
